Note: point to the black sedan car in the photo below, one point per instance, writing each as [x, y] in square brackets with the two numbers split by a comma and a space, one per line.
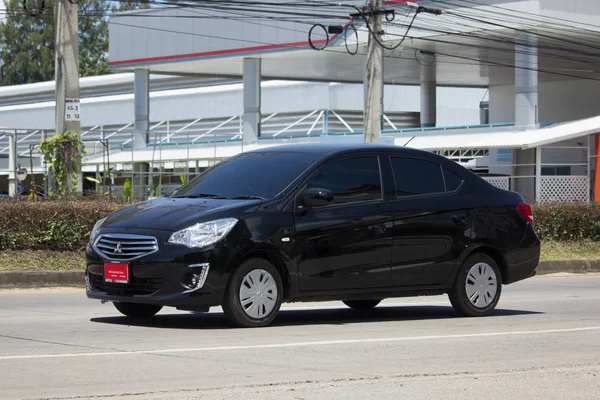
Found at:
[312, 222]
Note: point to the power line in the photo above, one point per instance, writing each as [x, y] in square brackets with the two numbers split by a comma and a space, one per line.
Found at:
[475, 60]
[457, 56]
[552, 20]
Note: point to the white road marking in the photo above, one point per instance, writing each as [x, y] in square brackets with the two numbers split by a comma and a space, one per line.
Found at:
[300, 344]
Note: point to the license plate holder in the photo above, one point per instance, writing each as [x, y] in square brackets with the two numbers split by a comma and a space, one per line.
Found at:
[116, 272]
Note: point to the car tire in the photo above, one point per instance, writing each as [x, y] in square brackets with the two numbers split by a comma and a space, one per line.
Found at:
[362, 304]
[136, 310]
[477, 288]
[254, 294]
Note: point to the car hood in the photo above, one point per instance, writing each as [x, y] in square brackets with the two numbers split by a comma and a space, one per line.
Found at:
[173, 214]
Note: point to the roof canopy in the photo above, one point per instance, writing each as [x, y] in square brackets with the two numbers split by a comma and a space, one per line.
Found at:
[497, 137]
[474, 138]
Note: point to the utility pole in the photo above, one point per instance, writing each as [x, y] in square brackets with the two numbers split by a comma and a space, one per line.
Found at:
[374, 74]
[67, 71]
[12, 164]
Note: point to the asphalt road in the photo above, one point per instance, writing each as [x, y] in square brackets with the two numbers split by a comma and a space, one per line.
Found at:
[542, 343]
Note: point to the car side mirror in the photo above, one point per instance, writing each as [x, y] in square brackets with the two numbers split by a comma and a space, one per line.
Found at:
[316, 197]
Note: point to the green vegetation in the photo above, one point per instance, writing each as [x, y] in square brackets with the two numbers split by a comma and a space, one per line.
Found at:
[52, 235]
[48, 260]
[579, 250]
[27, 40]
[63, 153]
[51, 225]
[567, 222]
[41, 260]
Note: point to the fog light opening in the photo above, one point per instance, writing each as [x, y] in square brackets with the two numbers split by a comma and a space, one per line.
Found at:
[196, 279]
[193, 280]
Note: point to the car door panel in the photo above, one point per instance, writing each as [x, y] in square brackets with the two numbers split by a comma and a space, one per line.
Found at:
[428, 240]
[344, 247]
[431, 225]
[347, 244]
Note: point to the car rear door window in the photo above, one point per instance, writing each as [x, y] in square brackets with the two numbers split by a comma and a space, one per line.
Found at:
[416, 177]
[452, 180]
[351, 180]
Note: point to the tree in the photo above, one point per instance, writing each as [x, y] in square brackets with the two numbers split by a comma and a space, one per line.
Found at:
[27, 40]
[26, 45]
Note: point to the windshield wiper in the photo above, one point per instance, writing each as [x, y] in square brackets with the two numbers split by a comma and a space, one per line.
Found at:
[201, 195]
[248, 197]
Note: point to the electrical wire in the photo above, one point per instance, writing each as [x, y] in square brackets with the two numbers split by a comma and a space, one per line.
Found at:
[476, 61]
[553, 20]
[352, 53]
[542, 46]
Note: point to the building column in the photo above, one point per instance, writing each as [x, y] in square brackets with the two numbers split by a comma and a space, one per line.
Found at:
[428, 95]
[526, 81]
[141, 99]
[12, 165]
[252, 101]
[141, 96]
[526, 111]
[141, 180]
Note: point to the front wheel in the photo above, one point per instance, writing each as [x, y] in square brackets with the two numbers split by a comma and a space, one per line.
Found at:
[136, 310]
[477, 288]
[362, 304]
[254, 294]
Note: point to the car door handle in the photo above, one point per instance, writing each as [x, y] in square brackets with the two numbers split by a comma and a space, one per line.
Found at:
[459, 219]
[377, 229]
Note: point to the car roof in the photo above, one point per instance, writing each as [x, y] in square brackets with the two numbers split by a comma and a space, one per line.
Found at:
[326, 149]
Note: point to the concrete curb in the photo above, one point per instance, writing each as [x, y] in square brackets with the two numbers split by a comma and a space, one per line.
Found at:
[25, 279]
[568, 266]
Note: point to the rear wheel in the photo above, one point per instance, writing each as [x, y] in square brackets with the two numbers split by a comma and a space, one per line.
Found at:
[478, 286]
[362, 304]
[254, 294]
[135, 310]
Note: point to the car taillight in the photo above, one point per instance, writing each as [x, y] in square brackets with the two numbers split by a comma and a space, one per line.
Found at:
[525, 210]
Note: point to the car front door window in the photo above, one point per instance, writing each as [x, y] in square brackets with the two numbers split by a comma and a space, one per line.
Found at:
[351, 180]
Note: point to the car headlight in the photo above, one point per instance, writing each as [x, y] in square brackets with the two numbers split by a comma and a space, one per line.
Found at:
[203, 234]
[96, 229]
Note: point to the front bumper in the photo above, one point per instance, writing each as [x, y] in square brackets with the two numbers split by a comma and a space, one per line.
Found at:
[162, 278]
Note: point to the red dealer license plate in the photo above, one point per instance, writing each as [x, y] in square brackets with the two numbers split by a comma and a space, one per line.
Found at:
[116, 272]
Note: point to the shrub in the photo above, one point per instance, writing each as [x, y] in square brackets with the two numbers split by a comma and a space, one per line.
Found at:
[66, 225]
[127, 189]
[50, 225]
[567, 222]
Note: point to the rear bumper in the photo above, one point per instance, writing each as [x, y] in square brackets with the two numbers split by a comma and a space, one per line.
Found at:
[522, 263]
[519, 272]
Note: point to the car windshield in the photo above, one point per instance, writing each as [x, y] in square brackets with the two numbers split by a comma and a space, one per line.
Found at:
[249, 175]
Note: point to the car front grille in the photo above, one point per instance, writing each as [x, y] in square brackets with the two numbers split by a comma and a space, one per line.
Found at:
[124, 247]
[137, 286]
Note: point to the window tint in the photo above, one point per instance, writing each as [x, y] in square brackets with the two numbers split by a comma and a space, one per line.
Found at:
[417, 177]
[250, 174]
[453, 181]
[351, 180]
